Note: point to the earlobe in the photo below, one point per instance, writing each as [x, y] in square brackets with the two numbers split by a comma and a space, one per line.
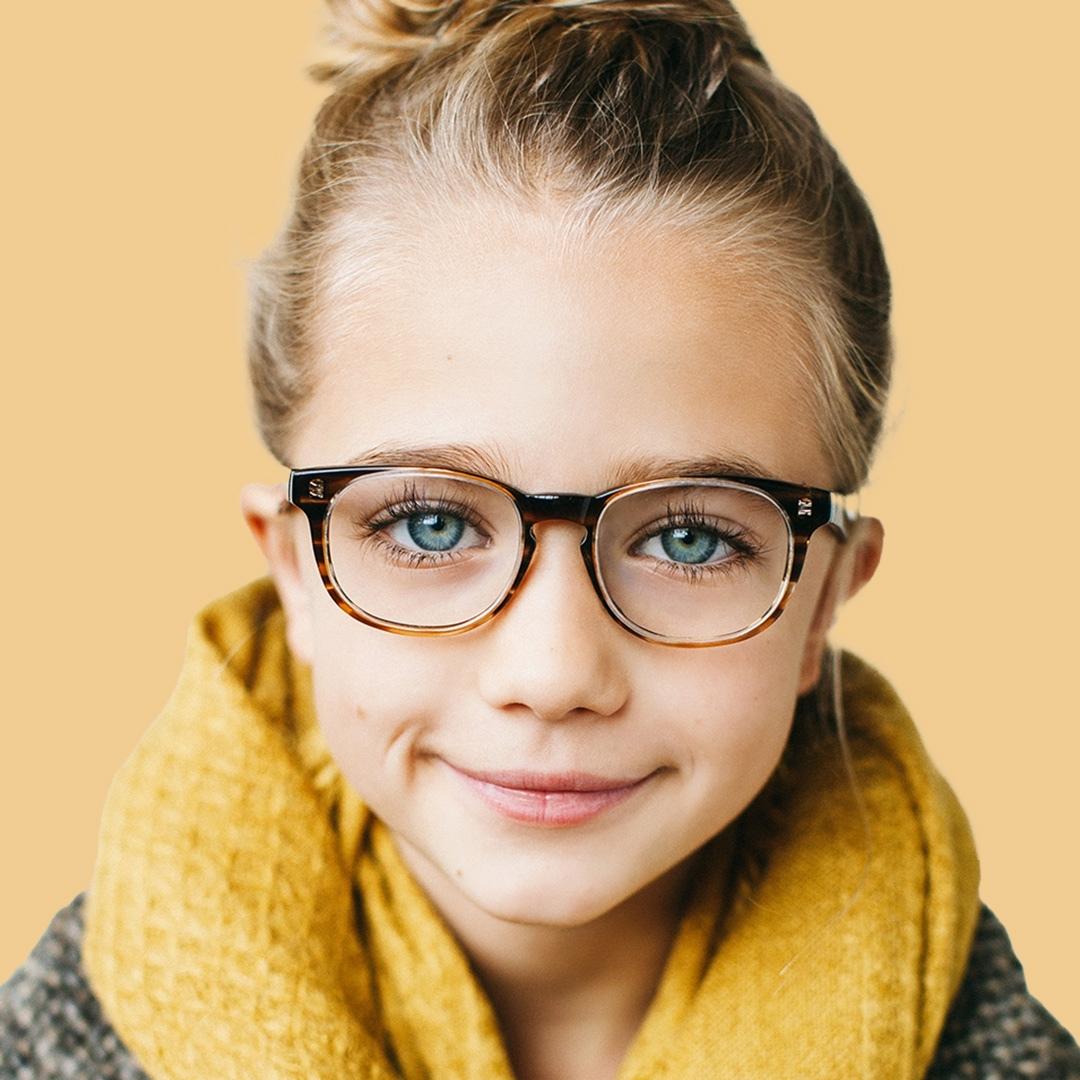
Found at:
[276, 535]
[868, 542]
[851, 569]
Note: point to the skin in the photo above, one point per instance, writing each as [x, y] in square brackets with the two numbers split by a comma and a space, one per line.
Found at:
[566, 366]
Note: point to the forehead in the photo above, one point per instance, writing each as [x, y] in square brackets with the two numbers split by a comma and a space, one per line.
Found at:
[565, 365]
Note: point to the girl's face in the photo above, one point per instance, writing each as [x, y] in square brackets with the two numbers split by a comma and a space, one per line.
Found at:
[562, 371]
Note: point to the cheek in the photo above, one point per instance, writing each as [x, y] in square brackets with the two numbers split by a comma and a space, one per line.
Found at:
[729, 712]
[377, 696]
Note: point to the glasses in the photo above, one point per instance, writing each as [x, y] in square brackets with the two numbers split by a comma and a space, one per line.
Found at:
[685, 561]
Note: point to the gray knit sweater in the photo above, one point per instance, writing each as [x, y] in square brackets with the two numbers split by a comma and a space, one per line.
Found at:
[52, 1025]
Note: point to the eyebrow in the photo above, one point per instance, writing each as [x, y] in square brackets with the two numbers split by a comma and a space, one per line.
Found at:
[489, 461]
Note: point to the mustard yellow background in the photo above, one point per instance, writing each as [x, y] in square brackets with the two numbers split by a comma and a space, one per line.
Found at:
[149, 152]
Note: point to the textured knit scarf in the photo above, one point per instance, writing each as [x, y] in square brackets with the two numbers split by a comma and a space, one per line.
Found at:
[248, 917]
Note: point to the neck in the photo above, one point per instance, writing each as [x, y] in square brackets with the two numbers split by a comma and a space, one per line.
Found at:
[554, 988]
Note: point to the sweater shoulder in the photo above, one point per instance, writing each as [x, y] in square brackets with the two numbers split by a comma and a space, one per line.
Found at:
[51, 1023]
[995, 1026]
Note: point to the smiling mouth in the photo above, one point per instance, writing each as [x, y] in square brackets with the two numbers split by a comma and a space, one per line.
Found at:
[552, 800]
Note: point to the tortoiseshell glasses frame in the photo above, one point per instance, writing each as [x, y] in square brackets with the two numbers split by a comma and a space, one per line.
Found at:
[804, 509]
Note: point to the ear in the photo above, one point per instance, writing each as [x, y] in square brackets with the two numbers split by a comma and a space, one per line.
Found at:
[852, 567]
[273, 522]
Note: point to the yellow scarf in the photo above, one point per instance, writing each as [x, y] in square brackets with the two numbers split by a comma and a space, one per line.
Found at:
[249, 918]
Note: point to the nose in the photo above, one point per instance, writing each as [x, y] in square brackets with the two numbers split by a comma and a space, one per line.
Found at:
[554, 649]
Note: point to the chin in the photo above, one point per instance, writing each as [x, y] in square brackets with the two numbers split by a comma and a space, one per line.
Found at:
[547, 898]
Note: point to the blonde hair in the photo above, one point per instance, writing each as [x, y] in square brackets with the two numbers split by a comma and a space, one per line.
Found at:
[609, 114]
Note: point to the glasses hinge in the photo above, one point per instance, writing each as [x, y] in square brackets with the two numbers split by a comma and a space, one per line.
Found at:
[844, 510]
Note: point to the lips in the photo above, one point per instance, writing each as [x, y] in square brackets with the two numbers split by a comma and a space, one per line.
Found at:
[551, 782]
[552, 800]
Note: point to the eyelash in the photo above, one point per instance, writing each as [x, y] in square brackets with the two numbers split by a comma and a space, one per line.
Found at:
[747, 549]
[686, 516]
[405, 505]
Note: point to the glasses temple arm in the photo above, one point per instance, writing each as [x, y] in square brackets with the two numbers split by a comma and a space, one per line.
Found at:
[843, 511]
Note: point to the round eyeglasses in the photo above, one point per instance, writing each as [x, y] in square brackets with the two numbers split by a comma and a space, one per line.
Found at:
[685, 561]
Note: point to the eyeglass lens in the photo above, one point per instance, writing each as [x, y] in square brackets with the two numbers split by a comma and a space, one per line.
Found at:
[694, 561]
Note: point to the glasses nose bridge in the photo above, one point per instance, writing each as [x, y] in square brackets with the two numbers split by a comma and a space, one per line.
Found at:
[584, 510]
[559, 506]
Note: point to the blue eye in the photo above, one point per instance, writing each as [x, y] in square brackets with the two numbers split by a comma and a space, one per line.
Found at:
[693, 545]
[686, 545]
[434, 531]
[423, 535]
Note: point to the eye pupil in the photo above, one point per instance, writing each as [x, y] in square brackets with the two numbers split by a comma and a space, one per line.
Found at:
[435, 532]
[697, 543]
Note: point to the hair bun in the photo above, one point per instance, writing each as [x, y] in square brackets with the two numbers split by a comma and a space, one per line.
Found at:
[374, 34]
[369, 37]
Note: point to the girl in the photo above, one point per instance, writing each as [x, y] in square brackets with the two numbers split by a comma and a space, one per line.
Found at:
[530, 757]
